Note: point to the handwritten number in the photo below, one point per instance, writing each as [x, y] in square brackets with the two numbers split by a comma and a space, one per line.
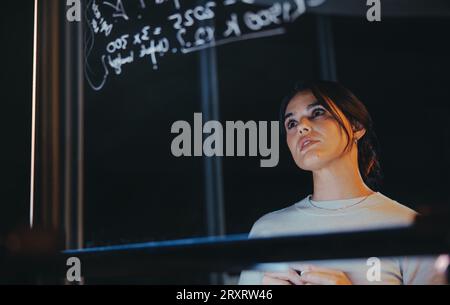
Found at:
[191, 33]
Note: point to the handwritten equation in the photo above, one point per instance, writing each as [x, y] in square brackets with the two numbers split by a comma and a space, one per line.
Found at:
[122, 33]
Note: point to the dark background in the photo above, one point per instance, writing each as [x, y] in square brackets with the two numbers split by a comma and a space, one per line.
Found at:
[137, 191]
[16, 93]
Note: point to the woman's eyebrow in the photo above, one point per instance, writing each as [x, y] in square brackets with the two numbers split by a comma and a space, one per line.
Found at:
[287, 115]
[313, 104]
[316, 103]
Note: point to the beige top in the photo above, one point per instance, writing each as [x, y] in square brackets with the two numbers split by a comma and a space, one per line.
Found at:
[375, 212]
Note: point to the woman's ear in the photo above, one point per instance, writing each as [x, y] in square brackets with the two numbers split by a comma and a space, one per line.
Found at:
[358, 130]
[360, 133]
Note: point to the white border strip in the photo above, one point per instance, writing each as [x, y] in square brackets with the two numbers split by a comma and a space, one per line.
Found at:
[33, 114]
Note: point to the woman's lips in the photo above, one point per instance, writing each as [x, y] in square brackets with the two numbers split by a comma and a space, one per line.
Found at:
[308, 144]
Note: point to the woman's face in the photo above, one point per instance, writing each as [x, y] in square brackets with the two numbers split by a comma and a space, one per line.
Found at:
[306, 119]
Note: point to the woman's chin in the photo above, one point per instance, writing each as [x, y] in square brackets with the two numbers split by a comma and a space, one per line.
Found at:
[309, 162]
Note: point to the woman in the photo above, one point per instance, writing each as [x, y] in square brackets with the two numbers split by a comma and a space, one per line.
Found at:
[330, 133]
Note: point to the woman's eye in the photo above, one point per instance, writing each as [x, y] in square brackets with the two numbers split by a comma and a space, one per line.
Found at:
[318, 112]
[290, 124]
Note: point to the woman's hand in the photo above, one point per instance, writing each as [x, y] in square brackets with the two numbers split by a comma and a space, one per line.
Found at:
[289, 277]
[310, 275]
[315, 275]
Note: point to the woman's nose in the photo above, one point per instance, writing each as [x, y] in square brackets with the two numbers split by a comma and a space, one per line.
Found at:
[303, 127]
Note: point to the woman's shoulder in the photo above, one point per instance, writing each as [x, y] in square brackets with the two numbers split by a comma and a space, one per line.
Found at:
[269, 222]
[380, 211]
[391, 208]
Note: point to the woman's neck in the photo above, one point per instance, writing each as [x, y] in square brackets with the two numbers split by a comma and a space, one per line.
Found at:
[339, 180]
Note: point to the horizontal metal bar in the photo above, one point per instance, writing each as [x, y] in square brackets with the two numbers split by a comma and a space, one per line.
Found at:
[36, 255]
[236, 252]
